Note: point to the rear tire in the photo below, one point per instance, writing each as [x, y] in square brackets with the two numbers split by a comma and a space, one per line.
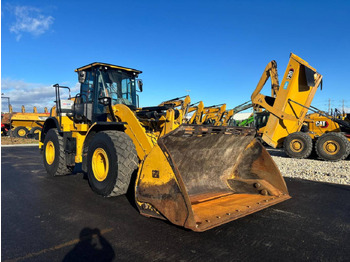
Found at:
[332, 147]
[111, 161]
[20, 131]
[298, 145]
[34, 132]
[53, 155]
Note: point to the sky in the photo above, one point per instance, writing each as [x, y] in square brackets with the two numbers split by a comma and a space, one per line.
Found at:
[215, 51]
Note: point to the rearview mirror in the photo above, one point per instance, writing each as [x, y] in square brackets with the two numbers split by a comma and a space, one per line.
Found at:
[140, 84]
[82, 77]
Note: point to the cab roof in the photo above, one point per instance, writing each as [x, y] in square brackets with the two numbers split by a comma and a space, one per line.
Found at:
[96, 64]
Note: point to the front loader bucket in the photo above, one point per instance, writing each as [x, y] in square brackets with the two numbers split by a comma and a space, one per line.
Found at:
[200, 177]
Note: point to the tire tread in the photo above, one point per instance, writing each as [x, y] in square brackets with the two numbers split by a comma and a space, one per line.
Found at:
[344, 140]
[62, 168]
[308, 145]
[127, 161]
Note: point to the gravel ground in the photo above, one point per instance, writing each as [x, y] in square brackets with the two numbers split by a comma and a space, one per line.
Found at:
[7, 140]
[312, 169]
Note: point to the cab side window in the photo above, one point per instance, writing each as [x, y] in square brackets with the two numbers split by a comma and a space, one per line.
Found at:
[87, 88]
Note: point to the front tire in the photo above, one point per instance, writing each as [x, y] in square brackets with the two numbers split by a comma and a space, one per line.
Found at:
[53, 156]
[332, 147]
[111, 160]
[298, 145]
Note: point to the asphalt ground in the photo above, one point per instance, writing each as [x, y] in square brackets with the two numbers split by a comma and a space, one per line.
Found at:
[61, 219]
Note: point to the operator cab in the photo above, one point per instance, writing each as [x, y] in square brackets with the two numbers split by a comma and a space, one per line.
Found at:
[101, 80]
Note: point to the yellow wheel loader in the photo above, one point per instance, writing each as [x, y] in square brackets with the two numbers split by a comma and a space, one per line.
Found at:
[195, 176]
[196, 110]
[212, 115]
[282, 124]
[216, 115]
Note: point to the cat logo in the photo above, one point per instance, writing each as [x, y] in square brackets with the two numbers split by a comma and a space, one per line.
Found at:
[322, 124]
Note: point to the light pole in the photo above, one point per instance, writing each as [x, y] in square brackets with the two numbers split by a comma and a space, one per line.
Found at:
[8, 100]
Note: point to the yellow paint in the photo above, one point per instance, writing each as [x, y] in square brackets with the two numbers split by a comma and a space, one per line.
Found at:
[28, 120]
[182, 105]
[170, 123]
[318, 125]
[156, 175]
[100, 164]
[80, 138]
[332, 147]
[227, 116]
[108, 65]
[155, 161]
[50, 153]
[80, 127]
[143, 141]
[213, 114]
[197, 115]
[296, 145]
[22, 132]
[217, 116]
[53, 111]
[66, 123]
[286, 117]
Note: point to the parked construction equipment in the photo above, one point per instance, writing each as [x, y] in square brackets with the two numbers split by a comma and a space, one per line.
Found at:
[24, 125]
[288, 106]
[195, 176]
[5, 119]
[196, 110]
[215, 115]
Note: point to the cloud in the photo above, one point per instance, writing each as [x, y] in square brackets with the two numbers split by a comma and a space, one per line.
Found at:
[30, 95]
[30, 20]
[346, 110]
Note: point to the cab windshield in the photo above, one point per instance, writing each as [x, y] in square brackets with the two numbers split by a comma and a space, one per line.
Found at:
[118, 85]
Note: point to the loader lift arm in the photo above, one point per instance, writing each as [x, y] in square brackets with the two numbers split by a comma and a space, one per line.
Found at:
[212, 115]
[198, 109]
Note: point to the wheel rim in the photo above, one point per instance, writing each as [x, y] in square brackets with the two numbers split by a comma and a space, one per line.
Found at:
[296, 145]
[50, 153]
[331, 147]
[100, 164]
[21, 132]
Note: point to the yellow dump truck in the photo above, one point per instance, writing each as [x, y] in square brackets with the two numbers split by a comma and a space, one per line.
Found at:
[286, 110]
[24, 124]
[195, 176]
